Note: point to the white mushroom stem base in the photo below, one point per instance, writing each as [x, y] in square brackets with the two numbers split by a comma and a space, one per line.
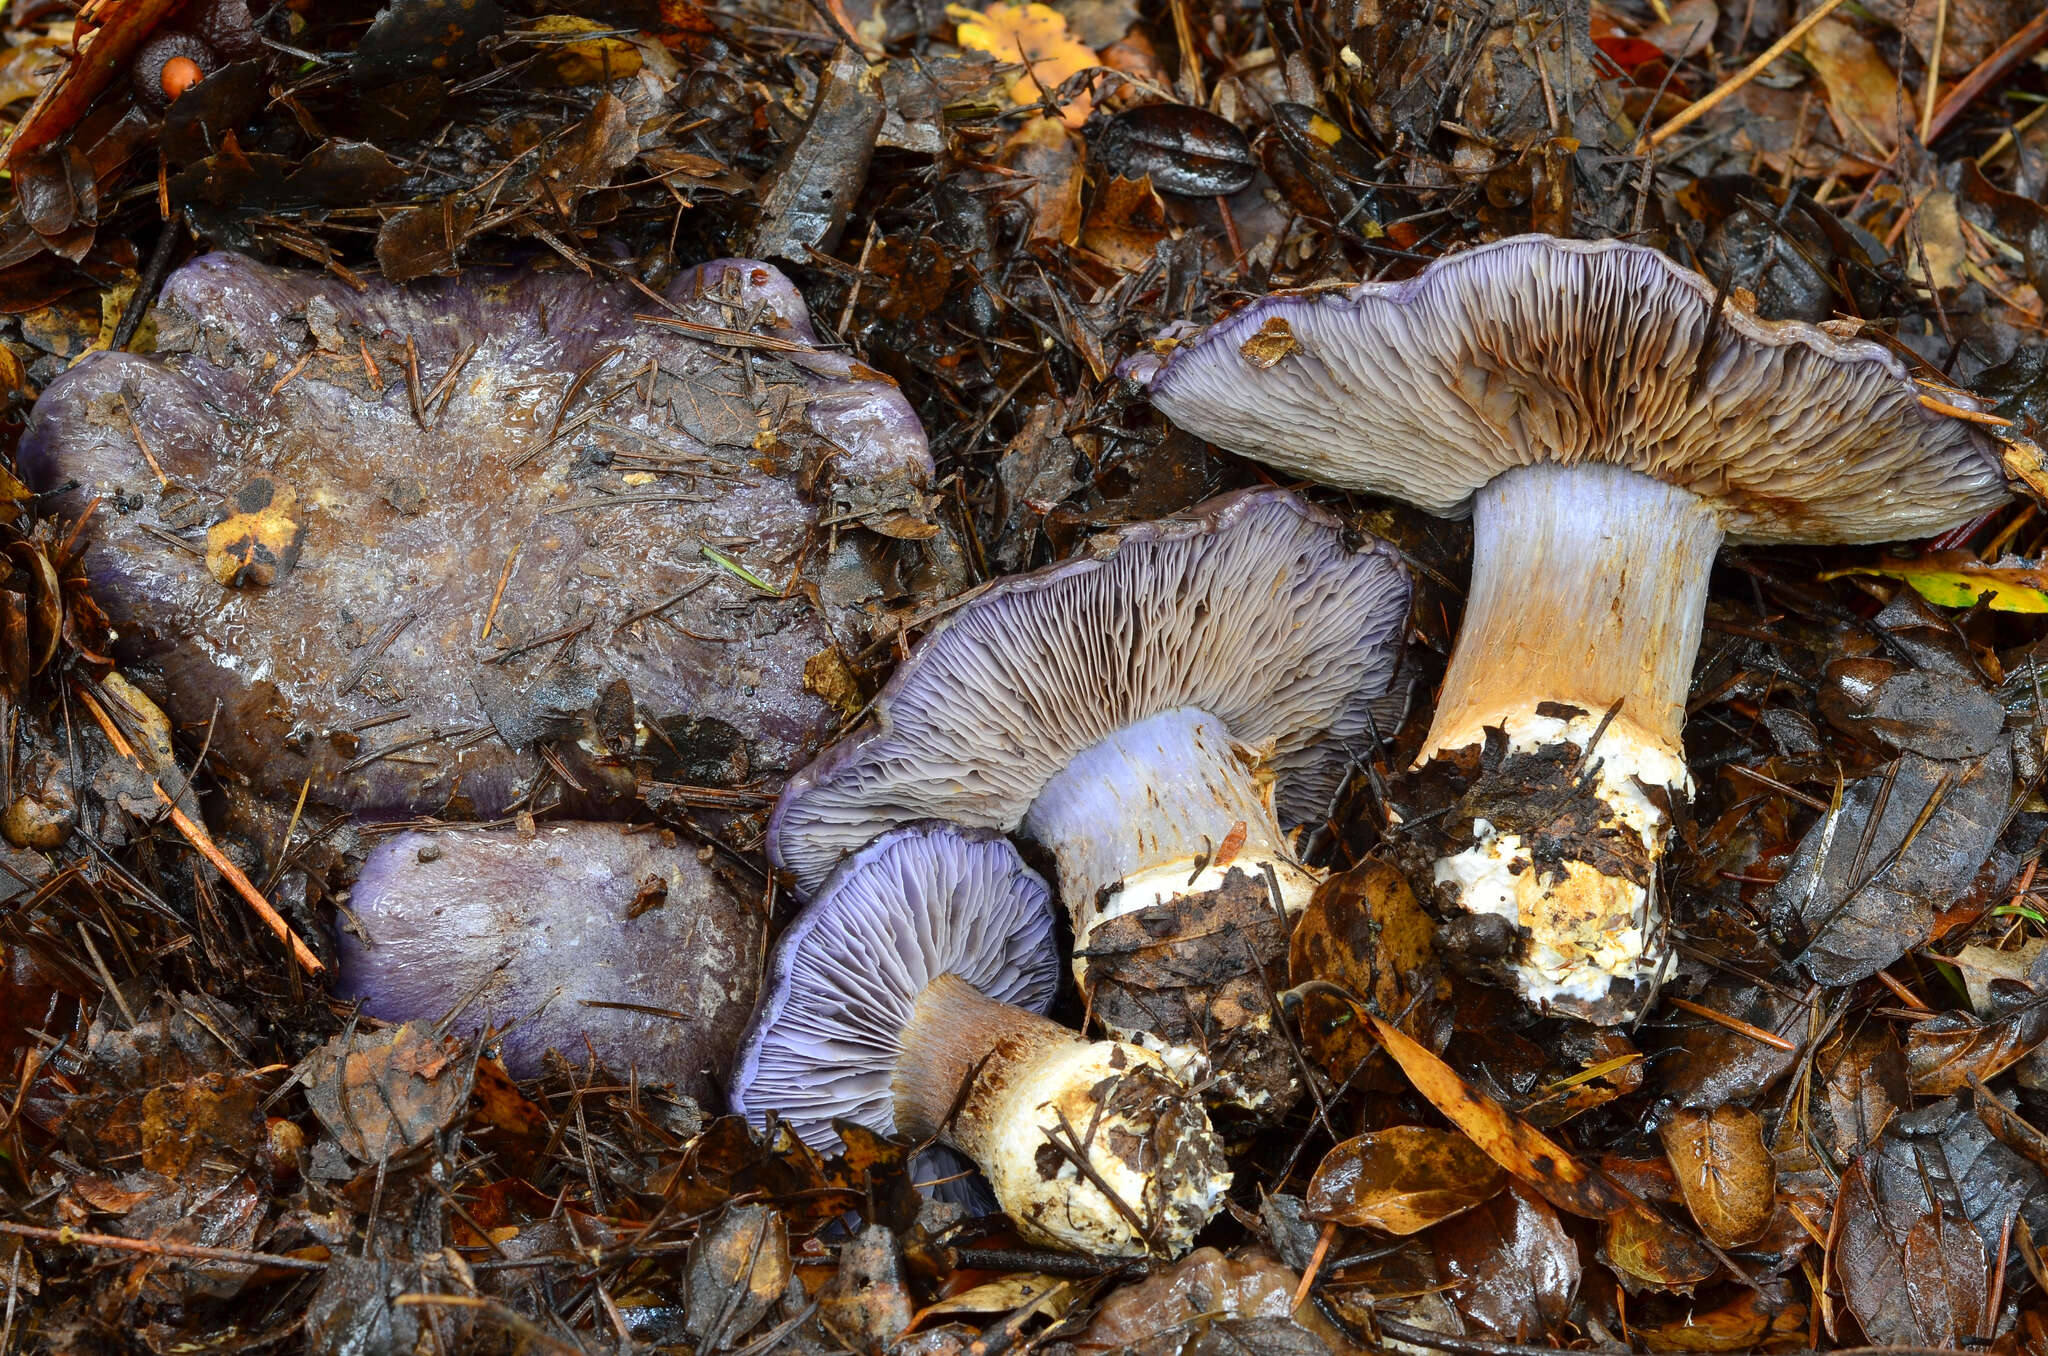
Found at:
[1097, 1146]
[1141, 818]
[1588, 594]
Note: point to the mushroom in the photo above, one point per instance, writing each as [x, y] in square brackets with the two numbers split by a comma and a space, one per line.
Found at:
[1607, 428]
[426, 546]
[906, 998]
[589, 939]
[1152, 712]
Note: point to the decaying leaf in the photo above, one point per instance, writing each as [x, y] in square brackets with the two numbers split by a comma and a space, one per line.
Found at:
[578, 51]
[381, 1092]
[1402, 1179]
[1530, 1155]
[258, 542]
[1724, 1170]
[1365, 933]
[1514, 1268]
[738, 1268]
[1036, 37]
[1945, 1052]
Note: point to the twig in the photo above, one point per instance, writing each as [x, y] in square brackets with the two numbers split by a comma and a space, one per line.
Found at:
[196, 834]
[1933, 71]
[1701, 107]
[1754, 1032]
[72, 1238]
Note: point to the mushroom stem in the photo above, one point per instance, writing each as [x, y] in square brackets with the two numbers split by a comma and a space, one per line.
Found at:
[1588, 592]
[1144, 815]
[1095, 1145]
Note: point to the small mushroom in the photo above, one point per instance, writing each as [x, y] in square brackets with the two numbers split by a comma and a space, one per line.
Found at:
[1607, 428]
[422, 545]
[906, 998]
[1152, 712]
[585, 938]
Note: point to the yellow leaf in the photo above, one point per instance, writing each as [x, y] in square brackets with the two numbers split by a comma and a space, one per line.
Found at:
[1948, 582]
[1036, 37]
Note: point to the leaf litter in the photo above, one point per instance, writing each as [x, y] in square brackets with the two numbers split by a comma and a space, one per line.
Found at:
[1825, 1131]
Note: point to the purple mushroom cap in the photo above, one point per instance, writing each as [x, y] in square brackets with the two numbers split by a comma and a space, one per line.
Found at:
[919, 902]
[1539, 350]
[541, 929]
[1252, 608]
[485, 512]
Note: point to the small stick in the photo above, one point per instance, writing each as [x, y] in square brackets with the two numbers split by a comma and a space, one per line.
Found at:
[1933, 72]
[197, 835]
[1699, 108]
[136, 429]
[1958, 412]
[496, 596]
[73, 1238]
[1755, 1033]
[1315, 1264]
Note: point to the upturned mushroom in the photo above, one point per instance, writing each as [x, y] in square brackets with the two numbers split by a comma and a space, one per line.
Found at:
[583, 938]
[447, 547]
[1607, 428]
[906, 998]
[1152, 712]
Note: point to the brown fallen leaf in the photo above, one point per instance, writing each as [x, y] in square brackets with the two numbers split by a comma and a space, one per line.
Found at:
[258, 543]
[1724, 1169]
[1052, 155]
[382, 1092]
[1125, 223]
[1401, 1180]
[1864, 96]
[738, 1268]
[1513, 1268]
[1363, 933]
[1946, 1050]
[1547, 1166]
[1640, 1244]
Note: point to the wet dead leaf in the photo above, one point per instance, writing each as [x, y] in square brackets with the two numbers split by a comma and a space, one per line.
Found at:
[1724, 1170]
[1513, 1267]
[1052, 154]
[579, 51]
[258, 542]
[381, 1092]
[1864, 96]
[1913, 1273]
[217, 1115]
[1947, 1050]
[1036, 37]
[998, 1297]
[1274, 341]
[1125, 224]
[739, 1267]
[1402, 1179]
[1534, 1157]
[1648, 1251]
[1753, 1317]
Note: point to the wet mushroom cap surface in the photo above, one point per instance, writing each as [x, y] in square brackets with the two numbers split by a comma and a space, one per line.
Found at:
[541, 929]
[845, 977]
[1251, 608]
[404, 535]
[1535, 349]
